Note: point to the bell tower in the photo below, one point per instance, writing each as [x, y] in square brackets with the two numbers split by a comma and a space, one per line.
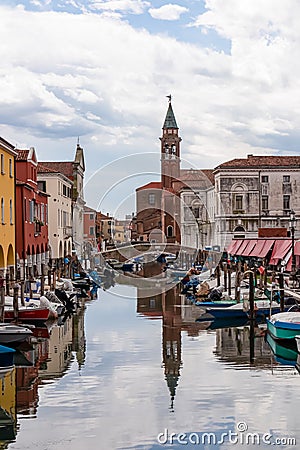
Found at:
[170, 149]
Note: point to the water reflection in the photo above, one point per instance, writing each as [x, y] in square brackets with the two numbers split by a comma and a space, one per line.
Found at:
[8, 416]
[36, 362]
[148, 365]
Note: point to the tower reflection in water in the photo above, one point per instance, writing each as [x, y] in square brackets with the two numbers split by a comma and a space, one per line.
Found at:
[242, 346]
[176, 316]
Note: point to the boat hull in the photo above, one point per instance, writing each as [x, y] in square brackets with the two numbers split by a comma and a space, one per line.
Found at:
[297, 338]
[283, 330]
[223, 313]
[283, 354]
[28, 314]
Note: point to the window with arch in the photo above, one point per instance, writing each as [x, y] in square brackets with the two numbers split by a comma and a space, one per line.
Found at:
[238, 202]
[151, 199]
[2, 210]
[2, 164]
[10, 212]
[10, 168]
[170, 231]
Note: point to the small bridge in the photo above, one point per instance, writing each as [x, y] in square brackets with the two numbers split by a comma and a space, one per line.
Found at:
[128, 251]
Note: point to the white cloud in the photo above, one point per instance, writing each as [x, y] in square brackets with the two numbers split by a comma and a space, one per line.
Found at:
[64, 75]
[167, 12]
[129, 6]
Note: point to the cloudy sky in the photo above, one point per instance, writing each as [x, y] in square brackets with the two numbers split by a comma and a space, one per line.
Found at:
[101, 70]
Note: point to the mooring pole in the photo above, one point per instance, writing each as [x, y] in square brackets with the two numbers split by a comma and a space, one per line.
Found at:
[281, 291]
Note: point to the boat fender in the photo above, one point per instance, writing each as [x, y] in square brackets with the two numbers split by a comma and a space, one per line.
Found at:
[246, 306]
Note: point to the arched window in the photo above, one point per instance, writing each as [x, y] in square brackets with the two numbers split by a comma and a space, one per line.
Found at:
[170, 231]
[239, 228]
[10, 212]
[2, 210]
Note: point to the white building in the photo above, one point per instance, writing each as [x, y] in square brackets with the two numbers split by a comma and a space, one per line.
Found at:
[59, 187]
[256, 192]
[74, 171]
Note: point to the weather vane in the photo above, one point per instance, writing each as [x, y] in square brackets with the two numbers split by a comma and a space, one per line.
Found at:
[169, 97]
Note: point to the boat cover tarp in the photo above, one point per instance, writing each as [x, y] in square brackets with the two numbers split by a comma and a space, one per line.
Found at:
[280, 249]
[262, 248]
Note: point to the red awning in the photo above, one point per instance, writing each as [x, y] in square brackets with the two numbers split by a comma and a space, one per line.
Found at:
[297, 255]
[242, 248]
[262, 248]
[258, 248]
[281, 247]
[234, 246]
[249, 247]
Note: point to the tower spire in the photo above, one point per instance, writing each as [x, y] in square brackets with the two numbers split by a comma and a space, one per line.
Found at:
[170, 121]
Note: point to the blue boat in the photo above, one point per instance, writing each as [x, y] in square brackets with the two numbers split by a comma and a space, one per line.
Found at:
[284, 325]
[262, 309]
[6, 356]
[211, 304]
[286, 355]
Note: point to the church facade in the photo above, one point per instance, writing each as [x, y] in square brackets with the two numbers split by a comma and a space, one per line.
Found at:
[206, 209]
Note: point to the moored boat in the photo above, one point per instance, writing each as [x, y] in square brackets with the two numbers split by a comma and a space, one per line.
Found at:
[27, 314]
[284, 325]
[10, 333]
[286, 355]
[261, 308]
[297, 338]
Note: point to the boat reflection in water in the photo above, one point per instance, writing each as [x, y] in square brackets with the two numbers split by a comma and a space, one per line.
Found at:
[240, 343]
[8, 420]
[36, 362]
[287, 354]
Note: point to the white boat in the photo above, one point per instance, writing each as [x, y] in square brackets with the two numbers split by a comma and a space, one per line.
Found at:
[10, 333]
[31, 304]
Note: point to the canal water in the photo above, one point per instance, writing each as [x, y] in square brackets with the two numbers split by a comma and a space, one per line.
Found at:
[137, 372]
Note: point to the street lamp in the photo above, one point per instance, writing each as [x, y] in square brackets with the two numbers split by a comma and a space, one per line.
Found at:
[292, 228]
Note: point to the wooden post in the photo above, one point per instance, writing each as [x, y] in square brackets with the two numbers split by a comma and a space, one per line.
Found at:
[2, 302]
[238, 282]
[218, 270]
[229, 279]
[265, 277]
[15, 302]
[255, 277]
[30, 288]
[252, 340]
[49, 278]
[22, 293]
[7, 283]
[42, 280]
[281, 291]
[225, 277]
[54, 280]
[251, 294]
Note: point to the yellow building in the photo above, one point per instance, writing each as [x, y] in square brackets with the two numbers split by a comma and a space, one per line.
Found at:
[7, 205]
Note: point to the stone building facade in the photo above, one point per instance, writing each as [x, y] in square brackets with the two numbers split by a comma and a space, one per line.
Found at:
[255, 192]
[205, 209]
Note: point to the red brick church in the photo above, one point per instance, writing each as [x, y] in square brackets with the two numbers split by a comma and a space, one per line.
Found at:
[158, 208]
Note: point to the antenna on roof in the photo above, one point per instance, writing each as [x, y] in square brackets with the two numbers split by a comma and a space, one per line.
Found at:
[78, 141]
